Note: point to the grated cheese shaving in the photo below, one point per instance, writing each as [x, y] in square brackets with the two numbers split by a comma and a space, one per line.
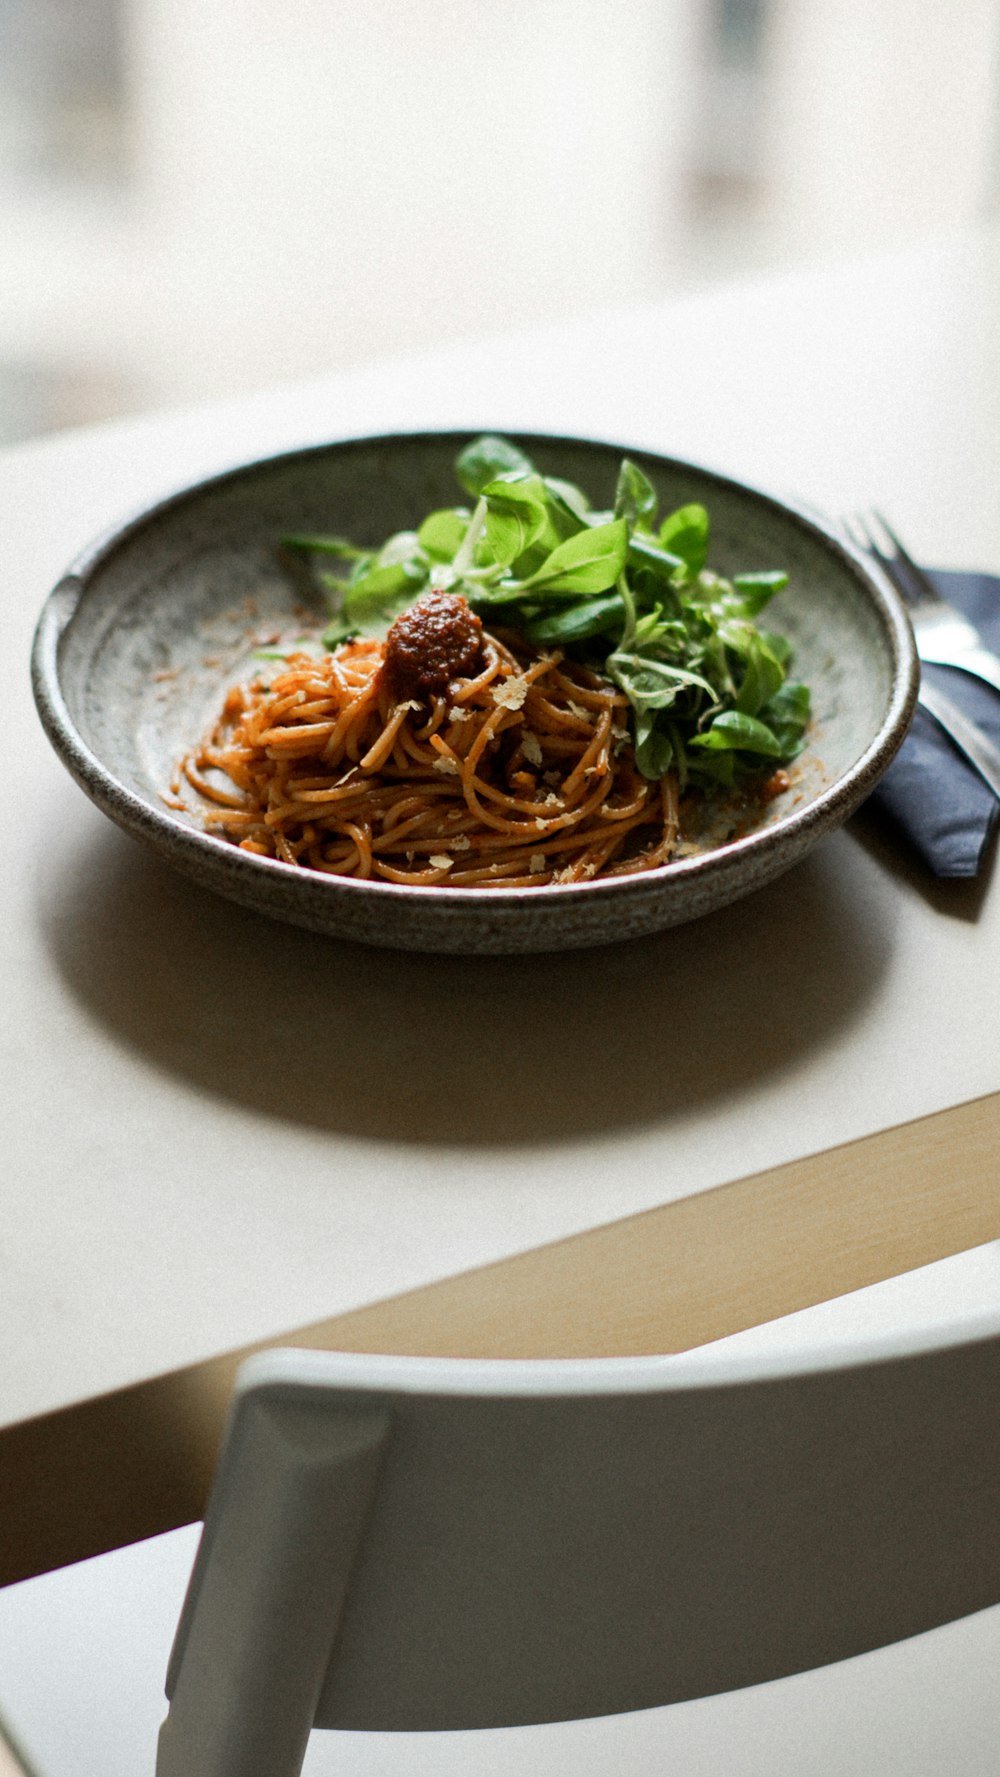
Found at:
[531, 747]
[441, 861]
[511, 692]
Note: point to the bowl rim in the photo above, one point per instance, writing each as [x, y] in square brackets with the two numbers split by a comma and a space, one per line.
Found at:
[833, 800]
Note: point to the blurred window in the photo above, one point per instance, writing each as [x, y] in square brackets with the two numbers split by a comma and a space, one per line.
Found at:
[725, 151]
[62, 91]
[158, 156]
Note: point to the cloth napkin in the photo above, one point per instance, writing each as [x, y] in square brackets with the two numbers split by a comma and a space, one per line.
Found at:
[930, 791]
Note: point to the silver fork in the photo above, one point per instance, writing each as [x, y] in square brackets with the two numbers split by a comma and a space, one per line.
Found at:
[944, 638]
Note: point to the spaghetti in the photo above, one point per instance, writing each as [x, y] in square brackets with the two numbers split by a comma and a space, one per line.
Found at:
[519, 774]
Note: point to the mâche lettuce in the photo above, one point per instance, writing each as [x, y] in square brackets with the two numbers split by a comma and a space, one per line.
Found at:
[622, 590]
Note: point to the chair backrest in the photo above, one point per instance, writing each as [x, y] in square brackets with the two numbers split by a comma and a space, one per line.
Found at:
[411, 1543]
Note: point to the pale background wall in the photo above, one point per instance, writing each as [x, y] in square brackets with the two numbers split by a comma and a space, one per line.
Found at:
[199, 199]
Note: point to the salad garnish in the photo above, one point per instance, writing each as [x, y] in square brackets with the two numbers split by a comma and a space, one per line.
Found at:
[621, 590]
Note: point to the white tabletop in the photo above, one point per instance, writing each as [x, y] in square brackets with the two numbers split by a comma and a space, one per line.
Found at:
[219, 1129]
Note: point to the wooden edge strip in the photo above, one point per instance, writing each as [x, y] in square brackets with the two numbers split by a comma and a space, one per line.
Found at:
[138, 1461]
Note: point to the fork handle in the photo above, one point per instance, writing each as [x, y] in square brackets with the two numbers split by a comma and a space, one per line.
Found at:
[979, 662]
[965, 735]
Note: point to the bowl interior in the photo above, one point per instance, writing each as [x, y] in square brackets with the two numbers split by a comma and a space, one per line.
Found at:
[172, 613]
[173, 605]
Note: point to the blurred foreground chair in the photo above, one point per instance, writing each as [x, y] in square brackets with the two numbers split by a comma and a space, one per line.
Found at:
[399, 1546]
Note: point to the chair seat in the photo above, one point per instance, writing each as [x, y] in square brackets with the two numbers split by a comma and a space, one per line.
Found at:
[921, 1707]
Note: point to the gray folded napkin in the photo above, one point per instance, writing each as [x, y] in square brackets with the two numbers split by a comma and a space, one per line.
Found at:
[930, 791]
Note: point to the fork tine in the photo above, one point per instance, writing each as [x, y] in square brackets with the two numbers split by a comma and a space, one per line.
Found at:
[859, 530]
[870, 532]
[898, 546]
[858, 533]
[917, 586]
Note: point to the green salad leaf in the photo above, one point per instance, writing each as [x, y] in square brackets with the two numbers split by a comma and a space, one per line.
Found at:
[487, 458]
[624, 590]
[442, 533]
[587, 563]
[516, 517]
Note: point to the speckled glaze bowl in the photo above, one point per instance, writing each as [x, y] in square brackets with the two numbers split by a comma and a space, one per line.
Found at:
[148, 626]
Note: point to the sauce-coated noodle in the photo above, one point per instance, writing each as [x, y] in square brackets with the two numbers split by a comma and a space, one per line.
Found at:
[522, 775]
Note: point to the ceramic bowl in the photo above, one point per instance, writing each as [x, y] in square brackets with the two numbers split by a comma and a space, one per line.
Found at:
[138, 640]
